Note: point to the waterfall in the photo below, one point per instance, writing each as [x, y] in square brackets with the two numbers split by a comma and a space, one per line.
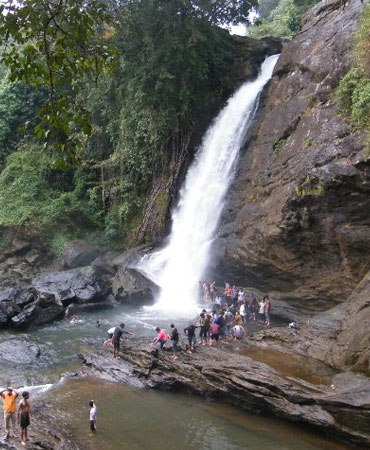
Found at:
[178, 268]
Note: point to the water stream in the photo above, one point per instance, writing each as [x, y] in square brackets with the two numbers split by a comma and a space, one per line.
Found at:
[178, 267]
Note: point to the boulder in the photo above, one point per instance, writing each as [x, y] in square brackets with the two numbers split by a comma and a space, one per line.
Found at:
[10, 309]
[75, 308]
[34, 314]
[24, 298]
[9, 295]
[27, 317]
[49, 314]
[19, 351]
[3, 320]
[131, 286]
[76, 285]
[80, 254]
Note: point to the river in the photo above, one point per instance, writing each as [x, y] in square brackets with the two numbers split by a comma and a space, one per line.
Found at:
[137, 419]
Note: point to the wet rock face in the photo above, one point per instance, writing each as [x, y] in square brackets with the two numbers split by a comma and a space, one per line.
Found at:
[296, 218]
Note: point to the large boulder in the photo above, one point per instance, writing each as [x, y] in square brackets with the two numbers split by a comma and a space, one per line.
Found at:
[131, 286]
[81, 285]
[80, 254]
[36, 314]
[19, 351]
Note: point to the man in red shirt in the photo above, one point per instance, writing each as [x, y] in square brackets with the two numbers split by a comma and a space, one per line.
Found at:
[161, 338]
[9, 397]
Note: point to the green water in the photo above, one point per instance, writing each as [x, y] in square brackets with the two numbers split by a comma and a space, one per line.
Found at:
[130, 419]
[137, 420]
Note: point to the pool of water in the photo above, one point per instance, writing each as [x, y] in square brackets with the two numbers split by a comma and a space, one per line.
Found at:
[130, 419]
[61, 342]
[304, 368]
[137, 420]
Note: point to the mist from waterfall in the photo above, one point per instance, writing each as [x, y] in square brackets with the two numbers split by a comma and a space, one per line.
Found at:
[179, 267]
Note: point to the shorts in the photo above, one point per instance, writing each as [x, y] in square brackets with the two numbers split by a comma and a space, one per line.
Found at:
[174, 346]
[227, 329]
[192, 340]
[25, 420]
[92, 425]
[116, 345]
[203, 333]
[215, 337]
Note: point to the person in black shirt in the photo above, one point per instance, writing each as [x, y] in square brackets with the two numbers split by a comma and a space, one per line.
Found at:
[190, 333]
[117, 334]
[174, 336]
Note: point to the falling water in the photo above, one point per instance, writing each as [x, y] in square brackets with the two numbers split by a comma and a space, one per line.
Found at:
[179, 266]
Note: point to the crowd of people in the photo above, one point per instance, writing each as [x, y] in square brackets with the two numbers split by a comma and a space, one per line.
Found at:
[224, 320]
[235, 300]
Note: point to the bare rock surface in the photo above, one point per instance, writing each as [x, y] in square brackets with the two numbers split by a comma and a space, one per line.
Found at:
[296, 218]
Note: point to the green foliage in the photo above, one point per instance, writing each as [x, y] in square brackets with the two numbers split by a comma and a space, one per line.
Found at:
[353, 92]
[59, 241]
[283, 20]
[172, 57]
[279, 144]
[126, 120]
[32, 194]
[18, 105]
[56, 44]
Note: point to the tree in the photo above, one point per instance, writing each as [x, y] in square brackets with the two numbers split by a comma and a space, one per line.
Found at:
[57, 44]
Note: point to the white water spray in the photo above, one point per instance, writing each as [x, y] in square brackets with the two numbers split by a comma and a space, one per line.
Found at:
[178, 268]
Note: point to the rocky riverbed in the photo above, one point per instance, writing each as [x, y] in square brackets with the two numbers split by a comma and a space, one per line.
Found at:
[89, 278]
[341, 409]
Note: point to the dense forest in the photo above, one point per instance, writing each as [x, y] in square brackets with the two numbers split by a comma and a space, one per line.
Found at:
[98, 100]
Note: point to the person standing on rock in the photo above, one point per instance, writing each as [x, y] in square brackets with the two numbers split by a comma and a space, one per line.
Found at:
[116, 338]
[267, 310]
[189, 331]
[261, 310]
[253, 307]
[174, 336]
[161, 338]
[24, 412]
[9, 397]
[204, 323]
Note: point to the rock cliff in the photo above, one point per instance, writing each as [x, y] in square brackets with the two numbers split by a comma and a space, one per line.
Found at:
[296, 220]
